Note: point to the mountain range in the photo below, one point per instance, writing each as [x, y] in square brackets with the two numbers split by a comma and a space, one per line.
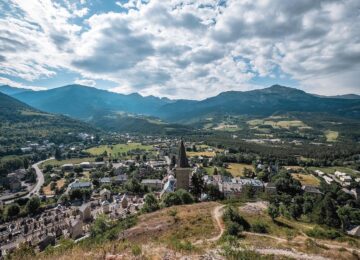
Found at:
[88, 103]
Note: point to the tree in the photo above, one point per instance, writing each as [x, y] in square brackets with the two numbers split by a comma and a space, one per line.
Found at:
[151, 203]
[273, 211]
[344, 214]
[58, 155]
[13, 210]
[213, 192]
[33, 205]
[171, 199]
[186, 197]
[173, 161]
[325, 212]
[78, 169]
[100, 225]
[197, 184]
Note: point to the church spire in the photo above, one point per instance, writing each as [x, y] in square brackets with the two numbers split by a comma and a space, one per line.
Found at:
[182, 159]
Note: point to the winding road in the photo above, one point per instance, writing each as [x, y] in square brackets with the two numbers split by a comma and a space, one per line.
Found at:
[39, 179]
[36, 188]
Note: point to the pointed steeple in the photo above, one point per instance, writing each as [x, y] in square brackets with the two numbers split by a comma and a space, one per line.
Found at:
[182, 159]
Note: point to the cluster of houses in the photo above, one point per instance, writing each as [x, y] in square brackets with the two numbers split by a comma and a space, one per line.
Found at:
[342, 178]
[65, 221]
[30, 147]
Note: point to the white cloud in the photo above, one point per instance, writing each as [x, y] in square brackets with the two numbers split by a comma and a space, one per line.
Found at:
[6, 81]
[86, 82]
[186, 48]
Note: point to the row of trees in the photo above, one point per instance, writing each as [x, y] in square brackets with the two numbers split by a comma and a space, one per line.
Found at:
[333, 208]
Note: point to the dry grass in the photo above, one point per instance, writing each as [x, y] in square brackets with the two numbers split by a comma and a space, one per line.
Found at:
[306, 179]
[237, 169]
[59, 184]
[203, 154]
[331, 136]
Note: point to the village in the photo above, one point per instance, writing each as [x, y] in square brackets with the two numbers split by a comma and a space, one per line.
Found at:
[83, 184]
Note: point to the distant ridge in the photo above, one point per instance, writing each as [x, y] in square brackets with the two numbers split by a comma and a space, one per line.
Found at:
[87, 102]
[8, 90]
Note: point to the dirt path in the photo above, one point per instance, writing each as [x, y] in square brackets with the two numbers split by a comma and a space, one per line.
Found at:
[217, 216]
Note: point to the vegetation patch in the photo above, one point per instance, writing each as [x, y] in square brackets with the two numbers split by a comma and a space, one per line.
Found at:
[331, 136]
[306, 179]
[238, 169]
[117, 150]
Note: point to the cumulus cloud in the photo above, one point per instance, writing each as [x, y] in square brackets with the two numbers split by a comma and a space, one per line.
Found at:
[86, 82]
[186, 48]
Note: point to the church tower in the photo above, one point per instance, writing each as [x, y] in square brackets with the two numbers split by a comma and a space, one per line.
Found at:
[182, 159]
[183, 170]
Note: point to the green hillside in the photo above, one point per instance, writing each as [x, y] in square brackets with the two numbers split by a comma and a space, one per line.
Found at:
[20, 123]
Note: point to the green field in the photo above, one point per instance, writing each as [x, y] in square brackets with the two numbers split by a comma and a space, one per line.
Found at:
[331, 136]
[118, 149]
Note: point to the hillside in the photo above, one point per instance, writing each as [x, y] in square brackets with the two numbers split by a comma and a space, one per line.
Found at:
[121, 122]
[20, 122]
[84, 102]
[261, 102]
[6, 89]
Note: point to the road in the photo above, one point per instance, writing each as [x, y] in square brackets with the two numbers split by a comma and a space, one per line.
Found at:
[39, 182]
[39, 179]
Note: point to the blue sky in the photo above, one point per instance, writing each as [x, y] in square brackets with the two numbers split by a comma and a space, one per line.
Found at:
[181, 48]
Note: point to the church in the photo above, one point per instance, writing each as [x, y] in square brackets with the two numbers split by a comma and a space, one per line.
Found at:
[182, 170]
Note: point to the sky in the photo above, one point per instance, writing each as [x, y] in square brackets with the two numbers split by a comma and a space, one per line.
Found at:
[189, 49]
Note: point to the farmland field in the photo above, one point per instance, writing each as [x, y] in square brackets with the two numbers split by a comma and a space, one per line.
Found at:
[331, 136]
[306, 179]
[118, 149]
[278, 124]
[237, 169]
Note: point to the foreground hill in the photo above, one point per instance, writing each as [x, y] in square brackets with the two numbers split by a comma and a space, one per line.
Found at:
[20, 122]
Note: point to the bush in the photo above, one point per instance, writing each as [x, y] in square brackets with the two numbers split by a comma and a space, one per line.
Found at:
[259, 227]
[136, 250]
[171, 199]
[234, 229]
[322, 233]
[232, 215]
[186, 197]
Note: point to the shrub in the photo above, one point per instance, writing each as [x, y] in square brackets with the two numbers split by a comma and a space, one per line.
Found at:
[259, 227]
[136, 250]
[321, 233]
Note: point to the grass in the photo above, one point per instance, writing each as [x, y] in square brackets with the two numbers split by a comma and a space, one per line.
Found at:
[237, 169]
[306, 179]
[118, 149]
[227, 127]
[59, 184]
[331, 136]
[203, 154]
[33, 113]
[73, 161]
[278, 124]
